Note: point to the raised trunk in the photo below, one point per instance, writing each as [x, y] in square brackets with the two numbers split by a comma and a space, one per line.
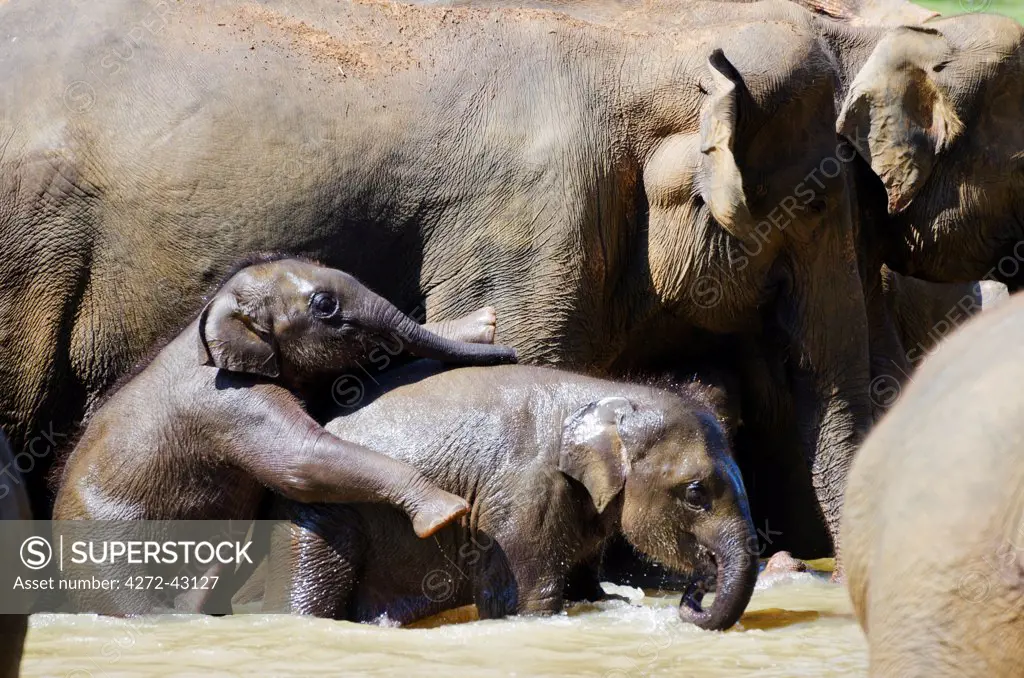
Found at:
[737, 574]
[381, 316]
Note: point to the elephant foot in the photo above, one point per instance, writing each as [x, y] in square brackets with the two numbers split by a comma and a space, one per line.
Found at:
[476, 328]
[780, 568]
[437, 512]
[783, 562]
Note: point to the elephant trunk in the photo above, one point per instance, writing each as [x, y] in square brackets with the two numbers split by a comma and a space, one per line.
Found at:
[736, 574]
[384, 318]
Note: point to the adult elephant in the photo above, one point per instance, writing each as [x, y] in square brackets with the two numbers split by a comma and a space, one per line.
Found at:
[593, 184]
[932, 107]
[932, 528]
[13, 506]
[931, 113]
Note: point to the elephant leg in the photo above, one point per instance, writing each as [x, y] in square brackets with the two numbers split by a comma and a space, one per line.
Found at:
[584, 582]
[288, 452]
[252, 590]
[890, 366]
[13, 629]
[518, 585]
[476, 328]
[314, 561]
[207, 600]
[223, 580]
[232, 579]
[825, 317]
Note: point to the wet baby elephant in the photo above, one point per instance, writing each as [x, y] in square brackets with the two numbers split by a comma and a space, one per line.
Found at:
[218, 416]
[554, 465]
[933, 529]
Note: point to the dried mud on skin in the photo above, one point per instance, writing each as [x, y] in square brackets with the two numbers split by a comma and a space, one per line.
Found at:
[364, 38]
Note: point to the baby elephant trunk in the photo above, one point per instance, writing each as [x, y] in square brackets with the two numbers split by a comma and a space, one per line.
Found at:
[383, 317]
[736, 561]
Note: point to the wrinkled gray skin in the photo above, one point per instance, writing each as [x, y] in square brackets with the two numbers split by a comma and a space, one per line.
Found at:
[554, 464]
[569, 178]
[933, 525]
[939, 191]
[219, 414]
[927, 312]
[13, 506]
[932, 108]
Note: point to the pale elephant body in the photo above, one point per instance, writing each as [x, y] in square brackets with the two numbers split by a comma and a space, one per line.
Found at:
[13, 506]
[933, 526]
[582, 179]
[554, 464]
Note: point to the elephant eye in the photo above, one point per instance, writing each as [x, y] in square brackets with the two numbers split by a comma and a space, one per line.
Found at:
[696, 497]
[323, 304]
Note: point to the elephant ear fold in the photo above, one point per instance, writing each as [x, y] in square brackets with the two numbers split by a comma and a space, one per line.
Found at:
[897, 116]
[721, 185]
[592, 450]
[230, 338]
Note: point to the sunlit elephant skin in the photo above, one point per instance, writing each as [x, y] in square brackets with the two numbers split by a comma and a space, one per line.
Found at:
[594, 184]
[871, 12]
[945, 195]
[13, 506]
[932, 528]
[220, 414]
[554, 464]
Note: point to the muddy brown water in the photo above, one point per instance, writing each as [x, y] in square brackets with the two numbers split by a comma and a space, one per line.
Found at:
[799, 625]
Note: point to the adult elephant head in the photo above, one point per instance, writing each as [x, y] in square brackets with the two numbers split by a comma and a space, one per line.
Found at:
[749, 223]
[936, 111]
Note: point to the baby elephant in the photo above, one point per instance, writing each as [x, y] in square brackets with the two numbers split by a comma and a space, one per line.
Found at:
[218, 416]
[933, 528]
[554, 465]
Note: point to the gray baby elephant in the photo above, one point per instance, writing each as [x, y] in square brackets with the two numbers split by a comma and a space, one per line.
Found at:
[553, 464]
[219, 415]
[933, 528]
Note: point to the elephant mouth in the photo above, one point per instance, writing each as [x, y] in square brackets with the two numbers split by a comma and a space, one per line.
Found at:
[701, 582]
[693, 595]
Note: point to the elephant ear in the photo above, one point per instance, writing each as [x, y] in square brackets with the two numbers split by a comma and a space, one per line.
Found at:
[897, 116]
[721, 185]
[232, 338]
[592, 451]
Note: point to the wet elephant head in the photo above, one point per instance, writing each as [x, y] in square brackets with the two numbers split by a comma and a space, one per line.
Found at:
[294, 319]
[682, 497]
[935, 110]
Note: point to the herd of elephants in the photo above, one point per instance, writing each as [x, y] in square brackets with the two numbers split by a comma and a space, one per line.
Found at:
[721, 240]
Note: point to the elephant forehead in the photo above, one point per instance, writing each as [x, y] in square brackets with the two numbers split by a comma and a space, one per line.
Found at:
[679, 465]
[302, 285]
